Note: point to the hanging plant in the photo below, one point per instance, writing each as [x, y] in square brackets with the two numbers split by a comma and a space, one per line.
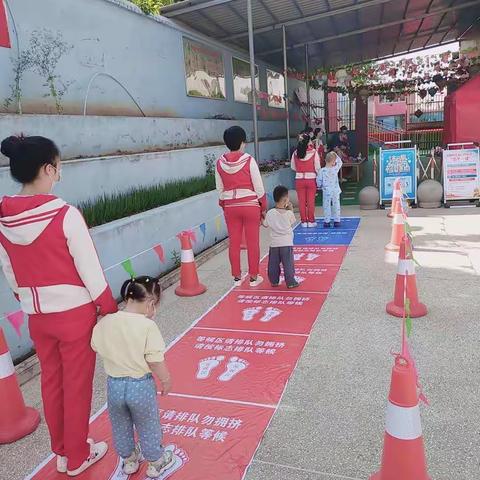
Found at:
[432, 91]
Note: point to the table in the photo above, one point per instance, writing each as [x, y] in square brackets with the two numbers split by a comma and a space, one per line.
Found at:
[356, 165]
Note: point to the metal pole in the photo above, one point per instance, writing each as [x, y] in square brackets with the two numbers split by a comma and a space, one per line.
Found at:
[307, 82]
[285, 78]
[251, 49]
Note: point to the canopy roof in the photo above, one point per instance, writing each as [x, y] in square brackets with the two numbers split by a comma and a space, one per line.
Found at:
[337, 32]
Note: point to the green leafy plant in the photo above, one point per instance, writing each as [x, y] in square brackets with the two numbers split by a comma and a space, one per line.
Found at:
[21, 64]
[210, 160]
[113, 207]
[151, 7]
[176, 258]
[46, 49]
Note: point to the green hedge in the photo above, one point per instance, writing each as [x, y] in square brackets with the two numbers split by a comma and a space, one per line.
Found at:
[113, 207]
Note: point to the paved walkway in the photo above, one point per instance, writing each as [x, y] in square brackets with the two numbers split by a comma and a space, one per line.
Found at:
[330, 422]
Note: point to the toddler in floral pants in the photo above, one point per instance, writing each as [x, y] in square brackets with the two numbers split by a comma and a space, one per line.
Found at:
[132, 347]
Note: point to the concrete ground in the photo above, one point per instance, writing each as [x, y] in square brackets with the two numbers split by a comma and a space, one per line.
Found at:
[331, 419]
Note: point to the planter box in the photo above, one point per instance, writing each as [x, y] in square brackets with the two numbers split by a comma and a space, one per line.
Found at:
[129, 237]
[110, 175]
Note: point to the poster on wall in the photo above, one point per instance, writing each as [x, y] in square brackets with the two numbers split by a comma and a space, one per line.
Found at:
[275, 89]
[4, 37]
[398, 163]
[204, 71]
[242, 86]
[461, 174]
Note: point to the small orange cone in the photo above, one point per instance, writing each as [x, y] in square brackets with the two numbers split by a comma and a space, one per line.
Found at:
[16, 420]
[243, 244]
[398, 231]
[406, 268]
[189, 284]
[396, 199]
[403, 450]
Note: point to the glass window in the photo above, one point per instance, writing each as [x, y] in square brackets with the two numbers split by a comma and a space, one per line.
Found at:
[204, 71]
[242, 85]
[275, 89]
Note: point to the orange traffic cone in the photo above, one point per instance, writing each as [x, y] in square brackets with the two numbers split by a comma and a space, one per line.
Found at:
[406, 285]
[16, 420]
[398, 231]
[403, 451]
[243, 244]
[396, 199]
[189, 284]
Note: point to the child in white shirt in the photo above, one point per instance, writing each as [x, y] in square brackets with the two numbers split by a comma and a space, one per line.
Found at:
[280, 220]
[327, 181]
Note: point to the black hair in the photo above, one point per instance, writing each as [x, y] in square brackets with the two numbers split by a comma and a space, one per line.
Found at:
[28, 155]
[343, 127]
[140, 288]
[316, 132]
[303, 145]
[234, 137]
[279, 192]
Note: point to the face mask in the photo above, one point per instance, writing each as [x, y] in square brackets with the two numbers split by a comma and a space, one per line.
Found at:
[55, 180]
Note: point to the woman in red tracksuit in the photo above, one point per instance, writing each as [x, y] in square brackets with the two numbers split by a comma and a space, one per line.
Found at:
[242, 197]
[306, 163]
[50, 262]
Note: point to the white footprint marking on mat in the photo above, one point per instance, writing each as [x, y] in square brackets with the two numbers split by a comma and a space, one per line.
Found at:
[249, 313]
[312, 256]
[298, 256]
[206, 365]
[180, 458]
[297, 278]
[270, 314]
[118, 473]
[234, 366]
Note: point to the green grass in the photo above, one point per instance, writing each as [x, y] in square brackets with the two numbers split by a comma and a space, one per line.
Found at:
[113, 207]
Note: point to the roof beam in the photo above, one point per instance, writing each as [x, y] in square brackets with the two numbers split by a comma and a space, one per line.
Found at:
[174, 10]
[309, 18]
[420, 25]
[405, 13]
[376, 27]
[439, 25]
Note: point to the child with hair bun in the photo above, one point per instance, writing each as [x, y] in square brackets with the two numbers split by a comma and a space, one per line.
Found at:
[132, 348]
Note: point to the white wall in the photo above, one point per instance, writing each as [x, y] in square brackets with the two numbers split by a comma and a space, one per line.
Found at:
[93, 136]
[144, 54]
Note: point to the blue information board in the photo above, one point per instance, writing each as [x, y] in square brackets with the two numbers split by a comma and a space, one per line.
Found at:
[398, 163]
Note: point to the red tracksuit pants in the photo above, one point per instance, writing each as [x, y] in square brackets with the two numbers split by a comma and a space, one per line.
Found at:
[62, 342]
[237, 219]
[306, 189]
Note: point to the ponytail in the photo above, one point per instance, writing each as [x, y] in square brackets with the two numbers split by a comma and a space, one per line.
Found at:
[138, 289]
[303, 145]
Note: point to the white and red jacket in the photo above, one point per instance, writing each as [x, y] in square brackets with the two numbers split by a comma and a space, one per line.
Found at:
[238, 181]
[308, 167]
[48, 256]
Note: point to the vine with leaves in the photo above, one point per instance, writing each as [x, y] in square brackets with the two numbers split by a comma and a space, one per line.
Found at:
[44, 52]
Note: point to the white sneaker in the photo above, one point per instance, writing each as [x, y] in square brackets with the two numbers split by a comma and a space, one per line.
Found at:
[61, 464]
[312, 224]
[237, 283]
[155, 469]
[97, 452]
[304, 224]
[131, 464]
[257, 281]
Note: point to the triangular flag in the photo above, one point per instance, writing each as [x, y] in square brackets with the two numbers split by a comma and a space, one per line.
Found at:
[159, 251]
[218, 223]
[16, 319]
[203, 229]
[127, 265]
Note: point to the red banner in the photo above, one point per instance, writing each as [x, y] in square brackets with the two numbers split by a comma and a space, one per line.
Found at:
[234, 365]
[319, 254]
[210, 440]
[229, 372]
[4, 36]
[311, 279]
[267, 312]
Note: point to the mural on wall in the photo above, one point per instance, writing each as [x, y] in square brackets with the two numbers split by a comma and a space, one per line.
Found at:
[242, 86]
[275, 89]
[204, 71]
[4, 36]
